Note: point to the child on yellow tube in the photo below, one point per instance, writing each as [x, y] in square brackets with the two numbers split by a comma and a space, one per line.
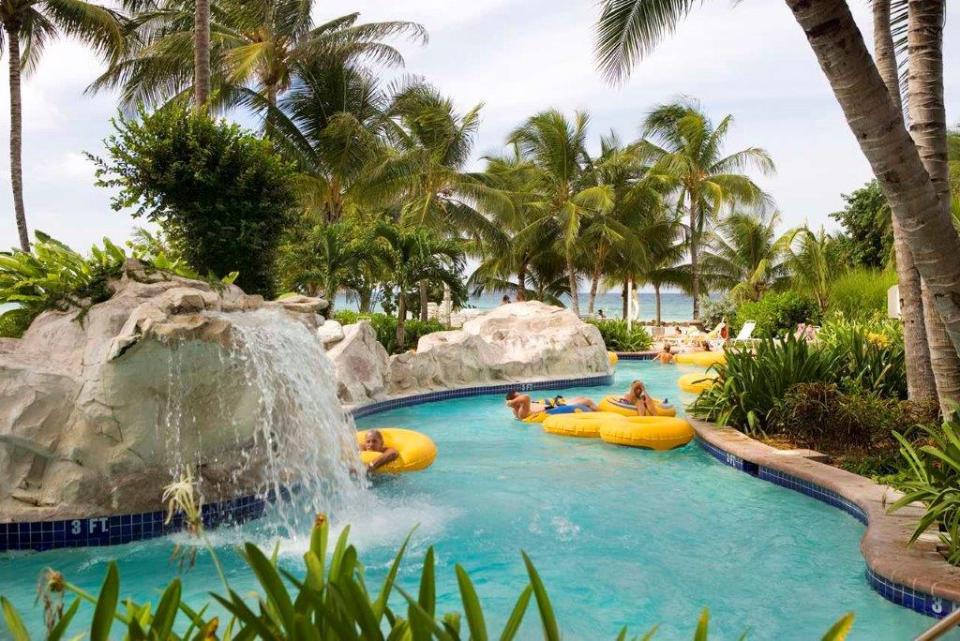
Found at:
[638, 397]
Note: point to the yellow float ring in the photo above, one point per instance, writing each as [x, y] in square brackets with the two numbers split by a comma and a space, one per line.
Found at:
[696, 382]
[648, 432]
[702, 359]
[579, 424]
[613, 358]
[613, 404]
[416, 450]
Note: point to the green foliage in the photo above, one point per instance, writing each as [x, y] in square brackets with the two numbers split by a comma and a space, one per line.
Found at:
[714, 310]
[220, 194]
[860, 292]
[620, 339]
[856, 428]
[777, 314]
[865, 218]
[860, 358]
[933, 479]
[386, 328]
[331, 601]
[53, 276]
[750, 385]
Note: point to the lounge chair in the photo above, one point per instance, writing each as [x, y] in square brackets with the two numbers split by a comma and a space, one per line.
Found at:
[746, 333]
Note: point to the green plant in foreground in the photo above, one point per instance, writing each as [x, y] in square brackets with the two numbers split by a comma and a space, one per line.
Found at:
[619, 339]
[331, 602]
[934, 480]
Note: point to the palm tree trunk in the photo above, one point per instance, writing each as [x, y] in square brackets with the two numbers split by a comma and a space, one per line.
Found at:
[424, 301]
[928, 126]
[522, 282]
[872, 117]
[201, 54]
[16, 133]
[626, 303]
[594, 286]
[572, 278]
[401, 320]
[656, 296]
[921, 384]
[366, 297]
[694, 259]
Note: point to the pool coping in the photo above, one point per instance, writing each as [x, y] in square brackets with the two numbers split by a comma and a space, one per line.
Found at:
[915, 576]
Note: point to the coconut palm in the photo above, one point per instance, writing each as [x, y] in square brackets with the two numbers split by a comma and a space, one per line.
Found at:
[257, 48]
[687, 146]
[745, 255]
[556, 148]
[28, 25]
[332, 124]
[414, 255]
[629, 29]
[814, 260]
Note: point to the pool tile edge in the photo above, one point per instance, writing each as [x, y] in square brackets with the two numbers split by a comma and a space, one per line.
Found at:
[916, 577]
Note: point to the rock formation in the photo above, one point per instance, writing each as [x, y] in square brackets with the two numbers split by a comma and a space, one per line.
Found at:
[84, 396]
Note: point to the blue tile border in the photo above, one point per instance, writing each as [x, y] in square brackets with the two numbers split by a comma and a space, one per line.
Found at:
[635, 356]
[98, 531]
[907, 597]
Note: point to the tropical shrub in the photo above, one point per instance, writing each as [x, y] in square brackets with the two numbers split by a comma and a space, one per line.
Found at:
[714, 310]
[868, 235]
[750, 385]
[620, 339]
[860, 293]
[933, 478]
[777, 314]
[332, 601]
[53, 276]
[220, 194]
[871, 352]
[855, 428]
[386, 328]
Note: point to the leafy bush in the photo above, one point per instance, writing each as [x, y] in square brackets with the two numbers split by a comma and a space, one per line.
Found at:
[53, 276]
[856, 428]
[871, 352]
[220, 194]
[750, 385]
[777, 314]
[386, 328]
[332, 601]
[860, 293]
[933, 479]
[619, 339]
[714, 310]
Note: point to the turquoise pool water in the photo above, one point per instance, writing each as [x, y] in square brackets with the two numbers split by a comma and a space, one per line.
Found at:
[620, 536]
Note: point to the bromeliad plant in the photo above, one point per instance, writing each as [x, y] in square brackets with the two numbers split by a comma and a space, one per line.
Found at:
[620, 339]
[934, 480]
[331, 602]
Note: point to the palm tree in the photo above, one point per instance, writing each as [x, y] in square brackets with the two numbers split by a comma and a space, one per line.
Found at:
[320, 259]
[745, 255]
[257, 48]
[921, 383]
[814, 261]
[628, 29]
[687, 146]
[28, 25]
[332, 124]
[201, 54]
[555, 146]
[412, 256]
[636, 190]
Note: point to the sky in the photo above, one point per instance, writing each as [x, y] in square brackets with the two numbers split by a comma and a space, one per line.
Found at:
[517, 57]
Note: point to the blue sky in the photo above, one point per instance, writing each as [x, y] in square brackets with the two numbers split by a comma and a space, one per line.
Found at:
[517, 57]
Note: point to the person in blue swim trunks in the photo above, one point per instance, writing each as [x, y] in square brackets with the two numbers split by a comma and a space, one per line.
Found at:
[524, 407]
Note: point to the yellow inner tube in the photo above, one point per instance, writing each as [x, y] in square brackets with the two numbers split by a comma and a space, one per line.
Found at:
[580, 424]
[613, 404]
[696, 382]
[613, 358]
[416, 450]
[649, 432]
[703, 359]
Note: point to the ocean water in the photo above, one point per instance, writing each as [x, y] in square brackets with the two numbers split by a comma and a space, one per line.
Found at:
[674, 306]
[620, 536]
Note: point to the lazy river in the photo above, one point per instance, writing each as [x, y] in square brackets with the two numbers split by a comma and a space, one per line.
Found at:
[620, 536]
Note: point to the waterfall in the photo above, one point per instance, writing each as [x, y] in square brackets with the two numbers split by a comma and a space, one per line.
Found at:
[269, 400]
